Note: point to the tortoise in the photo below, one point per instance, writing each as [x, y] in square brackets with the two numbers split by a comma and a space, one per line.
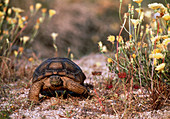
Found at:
[57, 74]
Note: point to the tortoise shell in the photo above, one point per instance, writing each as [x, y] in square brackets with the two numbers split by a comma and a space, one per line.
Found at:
[61, 67]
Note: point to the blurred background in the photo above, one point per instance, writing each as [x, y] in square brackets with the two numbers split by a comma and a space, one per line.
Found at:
[80, 25]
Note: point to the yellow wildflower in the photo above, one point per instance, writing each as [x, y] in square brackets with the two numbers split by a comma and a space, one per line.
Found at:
[116, 56]
[131, 60]
[31, 8]
[38, 21]
[9, 20]
[163, 9]
[155, 39]
[111, 38]
[128, 44]
[25, 18]
[166, 41]
[4, 9]
[119, 48]
[141, 34]
[135, 22]
[164, 36]
[139, 44]
[43, 10]
[161, 31]
[141, 16]
[37, 6]
[54, 35]
[7, 41]
[130, 36]
[144, 45]
[155, 6]
[20, 23]
[17, 10]
[41, 19]
[100, 44]
[25, 39]
[161, 46]
[15, 53]
[71, 56]
[9, 11]
[30, 59]
[157, 56]
[134, 56]
[160, 67]
[36, 26]
[147, 28]
[119, 39]
[6, 2]
[132, 9]
[1, 14]
[109, 60]
[51, 13]
[5, 32]
[137, 1]
[156, 51]
[139, 10]
[14, 21]
[155, 61]
[166, 17]
[129, 5]
[104, 49]
[21, 49]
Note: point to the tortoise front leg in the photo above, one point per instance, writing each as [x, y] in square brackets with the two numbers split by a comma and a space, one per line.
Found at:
[34, 91]
[74, 86]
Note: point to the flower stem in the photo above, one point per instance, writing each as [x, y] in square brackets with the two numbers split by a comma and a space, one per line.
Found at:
[135, 35]
[118, 42]
[120, 7]
[116, 62]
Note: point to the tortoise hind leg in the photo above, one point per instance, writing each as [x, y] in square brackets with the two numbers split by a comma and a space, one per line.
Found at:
[74, 87]
[34, 91]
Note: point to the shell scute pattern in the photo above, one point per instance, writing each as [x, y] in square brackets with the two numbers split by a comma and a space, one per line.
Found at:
[61, 67]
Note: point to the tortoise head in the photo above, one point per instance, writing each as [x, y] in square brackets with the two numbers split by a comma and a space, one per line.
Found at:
[56, 81]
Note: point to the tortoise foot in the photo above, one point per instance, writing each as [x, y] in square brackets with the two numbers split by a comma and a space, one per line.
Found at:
[74, 86]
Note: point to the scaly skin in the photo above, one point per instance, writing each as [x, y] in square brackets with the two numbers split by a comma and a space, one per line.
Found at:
[34, 91]
[46, 84]
[74, 86]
